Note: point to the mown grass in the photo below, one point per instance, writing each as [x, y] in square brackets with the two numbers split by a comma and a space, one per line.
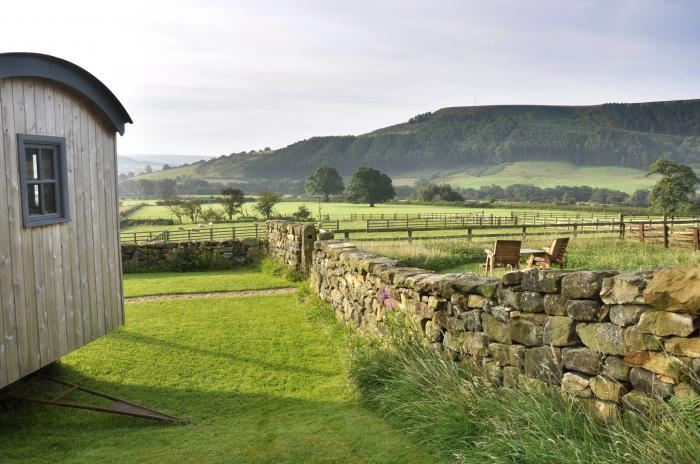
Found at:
[261, 381]
[465, 418]
[582, 253]
[172, 283]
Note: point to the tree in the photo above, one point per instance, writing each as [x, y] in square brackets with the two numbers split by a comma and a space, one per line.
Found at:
[639, 198]
[147, 188]
[166, 188]
[192, 209]
[166, 167]
[673, 193]
[435, 192]
[212, 215]
[324, 181]
[302, 213]
[568, 199]
[176, 208]
[232, 199]
[266, 202]
[148, 169]
[370, 186]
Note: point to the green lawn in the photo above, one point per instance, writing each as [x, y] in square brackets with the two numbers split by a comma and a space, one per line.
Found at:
[261, 381]
[170, 283]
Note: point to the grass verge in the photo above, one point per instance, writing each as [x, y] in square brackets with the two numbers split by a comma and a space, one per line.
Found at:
[173, 283]
[462, 416]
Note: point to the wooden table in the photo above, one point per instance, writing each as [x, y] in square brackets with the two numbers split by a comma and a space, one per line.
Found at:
[533, 252]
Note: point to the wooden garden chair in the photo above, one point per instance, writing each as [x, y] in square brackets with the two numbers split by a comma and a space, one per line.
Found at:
[555, 254]
[506, 253]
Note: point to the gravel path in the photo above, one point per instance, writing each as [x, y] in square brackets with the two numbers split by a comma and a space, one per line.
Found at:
[186, 296]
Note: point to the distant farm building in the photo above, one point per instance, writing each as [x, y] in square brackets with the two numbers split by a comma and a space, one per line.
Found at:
[60, 269]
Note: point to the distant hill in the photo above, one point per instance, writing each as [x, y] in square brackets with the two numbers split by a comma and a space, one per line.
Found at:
[631, 135]
[137, 163]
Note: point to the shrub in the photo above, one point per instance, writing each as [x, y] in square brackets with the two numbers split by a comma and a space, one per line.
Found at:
[184, 258]
[212, 215]
[302, 213]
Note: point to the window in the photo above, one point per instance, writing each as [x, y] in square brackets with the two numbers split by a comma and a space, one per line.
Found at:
[42, 173]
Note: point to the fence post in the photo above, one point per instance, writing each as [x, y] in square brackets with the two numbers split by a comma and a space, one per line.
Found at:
[256, 230]
[211, 234]
[233, 233]
[346, 235]
[136, 242]
[641, 232]
[524, 234]
[189, 235]
[575, 230]
[696, 239]
[622, 226]
[469, 234]
[665, 228]
[410, 235]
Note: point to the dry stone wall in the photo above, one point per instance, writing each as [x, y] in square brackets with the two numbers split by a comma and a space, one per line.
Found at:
[292, 244]
[616, 340]
[153, 255]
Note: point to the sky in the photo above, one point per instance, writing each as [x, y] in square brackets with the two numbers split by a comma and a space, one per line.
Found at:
[212, 77]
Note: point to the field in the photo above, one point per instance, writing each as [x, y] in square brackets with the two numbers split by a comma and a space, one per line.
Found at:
[583, 253]
[263, 379]
[341, 211]
[540, 173]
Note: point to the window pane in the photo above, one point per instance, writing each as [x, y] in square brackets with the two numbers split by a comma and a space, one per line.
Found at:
[48, 170]
[33, 199]
[32, 157]
[50, 198]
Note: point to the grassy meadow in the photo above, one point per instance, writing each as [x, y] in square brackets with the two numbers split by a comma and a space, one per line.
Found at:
[583, 253]
[263, 379]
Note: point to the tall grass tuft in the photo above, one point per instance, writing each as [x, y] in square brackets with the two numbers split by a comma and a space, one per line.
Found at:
[461, 416]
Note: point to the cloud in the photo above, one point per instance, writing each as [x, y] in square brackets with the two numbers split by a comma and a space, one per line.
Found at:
[213, 77]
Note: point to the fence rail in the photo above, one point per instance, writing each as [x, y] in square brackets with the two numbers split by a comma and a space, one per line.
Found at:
[677, 232]
[196, 234]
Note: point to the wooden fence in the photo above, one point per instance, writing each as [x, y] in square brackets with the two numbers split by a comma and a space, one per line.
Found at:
[678, 232]
[196, 234]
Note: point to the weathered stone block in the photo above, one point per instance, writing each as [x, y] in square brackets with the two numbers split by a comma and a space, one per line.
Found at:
[526, 332]
[544, 281]
[555, 304]
[472, 320]
[636, 340]
[607, 389]
[689, 347]
[511, 355]
[625, 288]
[576, 384]
[663, 323]
[560, 331]
[647, 383]
[639, 402]
[501, 313]
[476, 301]
[437, 303]
[626, 315]
[544, 363]
[615, 368]
[512, 278]
[475, 344]
[531, 302]
[667, 367]
[586, 310]
[583, 284]
[496, 330]
[509, 296]
[602, 337]
[452, 340]
[535, 318]
[433, 332]
[582, 360]
[676, 289]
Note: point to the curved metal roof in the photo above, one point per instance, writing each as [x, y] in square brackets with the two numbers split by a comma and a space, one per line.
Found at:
[70, 75]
